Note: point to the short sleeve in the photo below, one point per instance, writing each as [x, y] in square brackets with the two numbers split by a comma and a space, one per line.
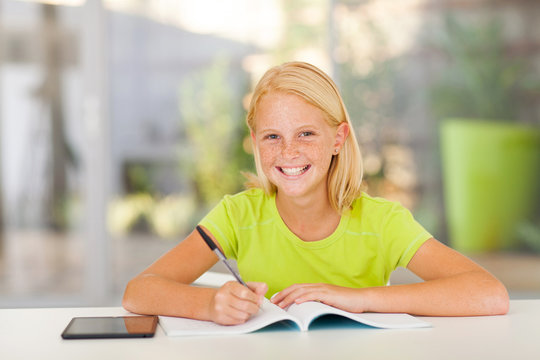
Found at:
[402, 236]
[219, 222]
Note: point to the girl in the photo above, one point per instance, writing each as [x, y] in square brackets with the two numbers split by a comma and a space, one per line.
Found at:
[304, 231]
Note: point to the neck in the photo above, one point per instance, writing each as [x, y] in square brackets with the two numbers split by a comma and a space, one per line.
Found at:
[310, 219]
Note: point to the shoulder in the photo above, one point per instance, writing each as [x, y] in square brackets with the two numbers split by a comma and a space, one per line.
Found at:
[246, 197]
[246, 208]
[249, 203]
[367, 204]
[376, 213]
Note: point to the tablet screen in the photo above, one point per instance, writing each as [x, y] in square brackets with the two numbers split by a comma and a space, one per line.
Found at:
[110, 327]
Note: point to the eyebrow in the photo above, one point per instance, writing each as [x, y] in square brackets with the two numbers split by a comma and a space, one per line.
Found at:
[266, 132]
[299, 129]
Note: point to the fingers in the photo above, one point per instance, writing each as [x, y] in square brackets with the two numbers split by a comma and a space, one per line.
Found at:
[234, 303]
[349, 299]
[258, 288]
[299, 293]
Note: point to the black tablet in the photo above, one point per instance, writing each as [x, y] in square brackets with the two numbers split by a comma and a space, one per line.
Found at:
[110, 327]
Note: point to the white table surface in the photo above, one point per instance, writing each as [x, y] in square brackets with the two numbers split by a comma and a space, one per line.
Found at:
[35, 334]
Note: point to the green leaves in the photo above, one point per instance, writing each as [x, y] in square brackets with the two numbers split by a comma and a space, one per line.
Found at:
[481, 79]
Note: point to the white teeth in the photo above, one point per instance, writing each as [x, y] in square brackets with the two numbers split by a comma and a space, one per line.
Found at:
[294, 171]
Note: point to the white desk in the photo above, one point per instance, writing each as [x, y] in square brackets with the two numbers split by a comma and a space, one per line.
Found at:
[35, 334]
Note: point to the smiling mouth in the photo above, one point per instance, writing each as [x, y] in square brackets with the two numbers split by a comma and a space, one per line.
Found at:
[294, 171]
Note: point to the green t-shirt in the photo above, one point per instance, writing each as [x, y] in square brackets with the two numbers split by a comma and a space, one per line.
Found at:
[372, 239]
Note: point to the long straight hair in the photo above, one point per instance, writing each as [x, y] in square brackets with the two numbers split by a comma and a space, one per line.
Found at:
[318, 89]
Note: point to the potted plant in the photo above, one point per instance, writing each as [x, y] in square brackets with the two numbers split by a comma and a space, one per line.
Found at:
[491, 160]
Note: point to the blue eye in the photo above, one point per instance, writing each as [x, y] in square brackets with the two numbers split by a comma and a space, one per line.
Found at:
[272, 136]
[306, 133]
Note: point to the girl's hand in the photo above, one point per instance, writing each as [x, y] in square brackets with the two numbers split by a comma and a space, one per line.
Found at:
[234, 303]
[344, 298]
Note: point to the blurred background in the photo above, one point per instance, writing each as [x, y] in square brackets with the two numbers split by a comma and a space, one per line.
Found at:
[122, 124]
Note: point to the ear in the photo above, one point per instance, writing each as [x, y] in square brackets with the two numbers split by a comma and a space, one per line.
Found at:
[341, 134]
[252, 134]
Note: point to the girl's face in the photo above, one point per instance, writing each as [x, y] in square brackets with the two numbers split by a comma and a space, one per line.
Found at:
[295, 144]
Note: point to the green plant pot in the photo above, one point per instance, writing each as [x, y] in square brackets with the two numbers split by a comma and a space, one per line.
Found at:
[491, 176]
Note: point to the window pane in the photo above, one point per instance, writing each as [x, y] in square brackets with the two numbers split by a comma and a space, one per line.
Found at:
[42, 161]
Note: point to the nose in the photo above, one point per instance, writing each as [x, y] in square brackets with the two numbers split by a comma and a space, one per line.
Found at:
[289, 150]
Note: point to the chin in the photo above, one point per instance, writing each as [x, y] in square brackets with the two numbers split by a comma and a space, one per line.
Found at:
[292, 192]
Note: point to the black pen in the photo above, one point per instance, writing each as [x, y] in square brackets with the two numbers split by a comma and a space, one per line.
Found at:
[219, 254]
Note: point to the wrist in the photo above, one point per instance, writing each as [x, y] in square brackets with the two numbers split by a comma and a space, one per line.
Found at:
[365, 300]
[208, 311]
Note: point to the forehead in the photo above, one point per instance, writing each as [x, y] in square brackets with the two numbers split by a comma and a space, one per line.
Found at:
[279, 109]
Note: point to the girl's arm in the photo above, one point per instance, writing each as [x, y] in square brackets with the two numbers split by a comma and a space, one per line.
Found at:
[453, 286]
[164, 288]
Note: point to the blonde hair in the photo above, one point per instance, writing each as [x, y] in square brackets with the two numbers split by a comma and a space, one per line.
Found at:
[314, 86]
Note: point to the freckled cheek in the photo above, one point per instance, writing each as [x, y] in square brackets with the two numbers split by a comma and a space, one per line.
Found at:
[267, 156]
[315, 153]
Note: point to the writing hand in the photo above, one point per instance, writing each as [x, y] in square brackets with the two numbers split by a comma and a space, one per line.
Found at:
[234, 303]
[344, 298]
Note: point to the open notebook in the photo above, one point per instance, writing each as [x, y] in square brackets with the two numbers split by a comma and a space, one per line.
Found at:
[302, 315]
